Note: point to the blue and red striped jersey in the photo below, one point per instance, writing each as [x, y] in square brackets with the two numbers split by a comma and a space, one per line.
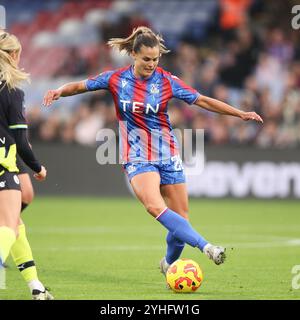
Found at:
[141, 107]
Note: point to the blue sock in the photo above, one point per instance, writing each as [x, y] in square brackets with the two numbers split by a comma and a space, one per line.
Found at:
[181, 229]
[174, 248]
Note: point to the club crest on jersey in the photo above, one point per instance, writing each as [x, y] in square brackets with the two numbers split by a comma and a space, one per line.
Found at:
[154, 88]
[124, 83]
[131, 168]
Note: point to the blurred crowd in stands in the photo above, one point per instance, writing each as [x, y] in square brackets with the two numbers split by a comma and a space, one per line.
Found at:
[249, 57]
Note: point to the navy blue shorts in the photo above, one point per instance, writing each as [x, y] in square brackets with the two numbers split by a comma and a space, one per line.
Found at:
[9, 180]
[171, 171]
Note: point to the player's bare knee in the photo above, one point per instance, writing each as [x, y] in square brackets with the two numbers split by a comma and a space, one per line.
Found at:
[153, 209]
[27, 196]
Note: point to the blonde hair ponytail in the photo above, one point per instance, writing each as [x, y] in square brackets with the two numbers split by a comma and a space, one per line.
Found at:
[9, 70]
[139, 36]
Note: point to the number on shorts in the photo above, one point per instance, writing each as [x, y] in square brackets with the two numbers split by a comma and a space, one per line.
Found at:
[177, 163]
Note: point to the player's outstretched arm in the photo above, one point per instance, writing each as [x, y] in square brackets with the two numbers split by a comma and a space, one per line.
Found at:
[68, 89]
[224, 108]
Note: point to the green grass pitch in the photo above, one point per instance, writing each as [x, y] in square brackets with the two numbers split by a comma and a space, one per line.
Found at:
[96, 248]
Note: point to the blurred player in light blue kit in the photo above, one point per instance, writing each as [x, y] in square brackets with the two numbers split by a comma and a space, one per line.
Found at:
[148, 147]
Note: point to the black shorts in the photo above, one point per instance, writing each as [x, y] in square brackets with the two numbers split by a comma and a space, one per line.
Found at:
[21, 165]
[9, 181]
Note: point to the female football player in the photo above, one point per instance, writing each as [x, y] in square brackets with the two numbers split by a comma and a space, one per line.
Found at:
[148, 147]
[13, 140]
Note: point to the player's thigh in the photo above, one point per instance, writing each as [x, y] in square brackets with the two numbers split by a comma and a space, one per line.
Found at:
[10, 208]
[146, 186]
[176, 198]
[26, 188]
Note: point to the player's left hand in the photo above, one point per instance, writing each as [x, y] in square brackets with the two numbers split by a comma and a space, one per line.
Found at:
[251, 116]
[41, 176]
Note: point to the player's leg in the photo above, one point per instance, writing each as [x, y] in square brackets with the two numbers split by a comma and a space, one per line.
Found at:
[9, 215]
[22, 255]
[173, 180]
[27, 190]
[26, 186]
[147, 189]
[176, 198]
[21, 251]
[25, 182]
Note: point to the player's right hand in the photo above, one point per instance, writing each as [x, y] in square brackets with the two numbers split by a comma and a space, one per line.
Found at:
[251, 116]
[50, 96]
[41, 176]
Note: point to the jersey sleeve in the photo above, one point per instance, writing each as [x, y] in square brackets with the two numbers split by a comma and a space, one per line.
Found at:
[16, 111]
[25, 151]
[99, 82]
[182, 91]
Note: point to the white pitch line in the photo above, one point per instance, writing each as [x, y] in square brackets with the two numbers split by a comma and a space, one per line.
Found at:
[100, 248]
[266, 244]
[89, 230]
[245, 245]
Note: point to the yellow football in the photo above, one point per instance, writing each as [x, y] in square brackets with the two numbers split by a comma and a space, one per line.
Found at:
[184, 275]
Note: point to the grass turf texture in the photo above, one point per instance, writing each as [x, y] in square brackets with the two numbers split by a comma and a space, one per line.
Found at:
[88, 248]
